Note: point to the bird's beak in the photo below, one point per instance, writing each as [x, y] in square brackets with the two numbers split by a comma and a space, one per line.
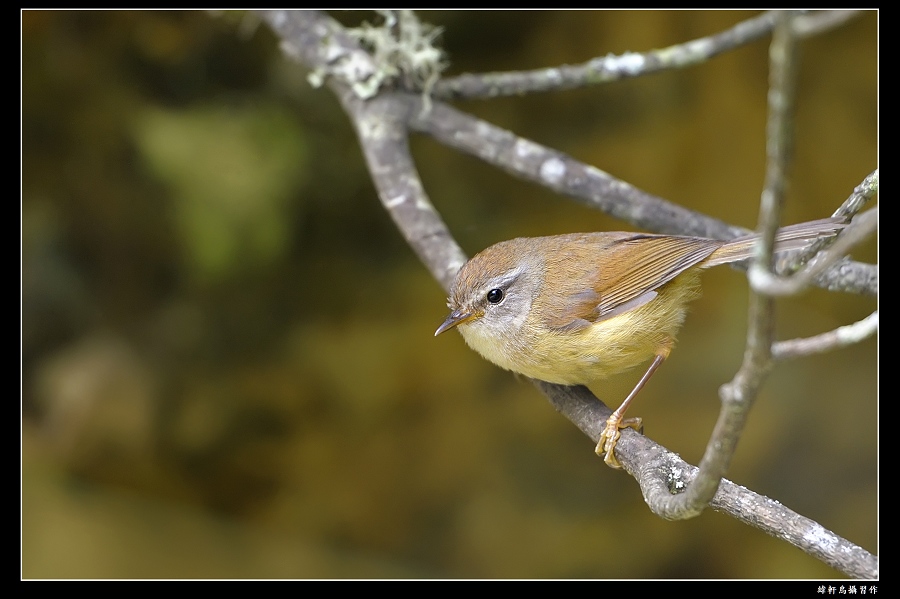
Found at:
[456, 317]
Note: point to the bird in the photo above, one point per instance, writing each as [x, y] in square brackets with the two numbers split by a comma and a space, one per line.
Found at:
[577, 308]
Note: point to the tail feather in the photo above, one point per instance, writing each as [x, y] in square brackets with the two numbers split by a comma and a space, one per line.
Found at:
[792, 237]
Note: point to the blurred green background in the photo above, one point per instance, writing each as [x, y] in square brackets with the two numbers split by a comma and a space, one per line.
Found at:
[228, 361]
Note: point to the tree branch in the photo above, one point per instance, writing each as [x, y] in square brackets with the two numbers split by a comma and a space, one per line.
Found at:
[662, 475]
[382, 121]
[597, 189]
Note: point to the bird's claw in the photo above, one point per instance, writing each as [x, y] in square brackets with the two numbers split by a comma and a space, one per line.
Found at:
[610, 436]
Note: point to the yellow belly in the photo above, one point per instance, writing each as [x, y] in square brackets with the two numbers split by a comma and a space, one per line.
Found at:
[596, 352]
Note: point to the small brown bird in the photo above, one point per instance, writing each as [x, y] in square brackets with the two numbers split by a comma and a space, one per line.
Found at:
[575, 309]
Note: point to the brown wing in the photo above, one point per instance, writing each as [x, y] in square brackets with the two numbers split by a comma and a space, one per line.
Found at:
[633, 267]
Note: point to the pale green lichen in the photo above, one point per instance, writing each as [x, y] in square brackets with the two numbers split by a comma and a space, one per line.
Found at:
[402, 48]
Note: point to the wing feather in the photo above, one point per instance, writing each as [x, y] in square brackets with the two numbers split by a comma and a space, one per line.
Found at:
[633, 267]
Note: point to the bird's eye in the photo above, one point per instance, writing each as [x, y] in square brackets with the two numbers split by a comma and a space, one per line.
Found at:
[495, 296]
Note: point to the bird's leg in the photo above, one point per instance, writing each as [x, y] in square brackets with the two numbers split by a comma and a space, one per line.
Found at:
[611, 433]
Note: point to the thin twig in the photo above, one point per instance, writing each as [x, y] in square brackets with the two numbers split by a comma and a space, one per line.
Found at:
[820, 21]
[838, 338]
[739, 395]
[765, 282]
[605, 69]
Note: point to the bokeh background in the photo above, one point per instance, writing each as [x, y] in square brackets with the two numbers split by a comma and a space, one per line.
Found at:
[228, 367]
